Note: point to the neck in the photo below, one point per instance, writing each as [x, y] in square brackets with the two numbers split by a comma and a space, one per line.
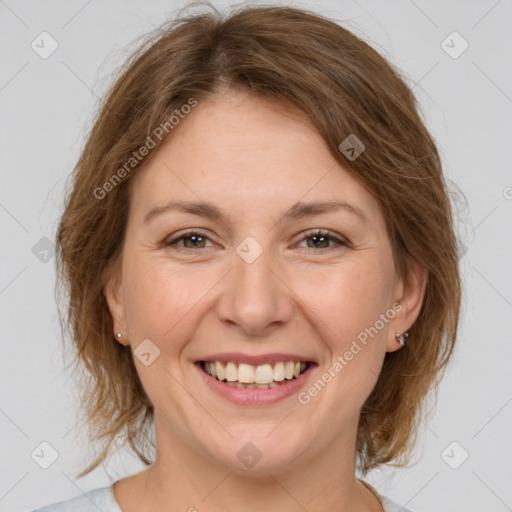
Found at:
[183, 479]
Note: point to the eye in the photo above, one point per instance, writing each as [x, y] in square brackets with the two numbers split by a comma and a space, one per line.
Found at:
[191, 239]
[320, 240]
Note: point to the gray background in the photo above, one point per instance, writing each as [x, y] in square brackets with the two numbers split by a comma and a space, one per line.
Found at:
[47, 106]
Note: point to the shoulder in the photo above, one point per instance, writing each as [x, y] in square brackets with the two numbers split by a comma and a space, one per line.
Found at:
[387, 504]
[100, 498]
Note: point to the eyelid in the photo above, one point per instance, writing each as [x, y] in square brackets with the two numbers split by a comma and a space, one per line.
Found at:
[339, 241]
[175, 237]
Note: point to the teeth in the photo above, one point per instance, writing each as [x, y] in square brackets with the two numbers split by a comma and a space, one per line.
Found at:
[246, 373]
[289, 370]
[252, 386]
[231, 372]
[279, 373]
[219, 371]
[248, 376]
[264, 374]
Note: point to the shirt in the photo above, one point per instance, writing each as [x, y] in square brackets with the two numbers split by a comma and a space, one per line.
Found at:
[102, 498]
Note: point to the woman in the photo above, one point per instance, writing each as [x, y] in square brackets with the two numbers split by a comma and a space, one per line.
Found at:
[260, 261]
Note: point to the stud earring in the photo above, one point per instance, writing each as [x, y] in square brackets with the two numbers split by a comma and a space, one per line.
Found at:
[119, 335]
[401, 337]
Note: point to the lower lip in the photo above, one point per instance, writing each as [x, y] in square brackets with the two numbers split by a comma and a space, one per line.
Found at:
[255, 396]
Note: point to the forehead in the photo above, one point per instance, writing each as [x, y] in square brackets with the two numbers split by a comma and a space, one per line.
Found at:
[244, 153]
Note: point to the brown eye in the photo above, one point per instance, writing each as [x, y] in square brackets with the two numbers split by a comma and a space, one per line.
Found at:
[321, 240]
[195, 241]
[191, 240]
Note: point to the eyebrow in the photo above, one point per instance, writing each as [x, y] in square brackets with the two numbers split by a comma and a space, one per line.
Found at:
[297, 211]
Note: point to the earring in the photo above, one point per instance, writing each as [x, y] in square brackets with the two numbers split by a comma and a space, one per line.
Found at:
[119, 335]
[401, 337]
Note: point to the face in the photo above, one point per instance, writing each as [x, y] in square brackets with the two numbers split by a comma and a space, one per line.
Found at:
[259, 277]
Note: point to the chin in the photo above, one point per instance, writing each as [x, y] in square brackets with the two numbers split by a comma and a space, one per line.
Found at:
[258, 455]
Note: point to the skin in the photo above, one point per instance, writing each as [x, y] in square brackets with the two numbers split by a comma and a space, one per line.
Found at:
[253, 160]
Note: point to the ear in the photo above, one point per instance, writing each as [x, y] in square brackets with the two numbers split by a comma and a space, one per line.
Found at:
[409, 294]
[113, 295]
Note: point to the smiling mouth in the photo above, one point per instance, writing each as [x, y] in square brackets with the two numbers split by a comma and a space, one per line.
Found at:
[265, 376]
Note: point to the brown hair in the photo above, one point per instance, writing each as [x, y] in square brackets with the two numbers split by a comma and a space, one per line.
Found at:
[289, 56]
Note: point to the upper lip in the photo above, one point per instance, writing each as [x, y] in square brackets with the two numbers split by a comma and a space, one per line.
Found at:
[256, 360]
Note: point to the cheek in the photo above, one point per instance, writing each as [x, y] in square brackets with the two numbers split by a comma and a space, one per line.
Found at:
[347, 309]
[348, 300]
[163, 301]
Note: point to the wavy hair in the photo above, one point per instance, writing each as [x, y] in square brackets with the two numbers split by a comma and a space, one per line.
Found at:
[289, 56]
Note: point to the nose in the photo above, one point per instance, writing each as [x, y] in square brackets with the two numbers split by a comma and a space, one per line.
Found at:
[256, 297]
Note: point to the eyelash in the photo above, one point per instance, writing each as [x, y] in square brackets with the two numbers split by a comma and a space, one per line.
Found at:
[319, 232]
